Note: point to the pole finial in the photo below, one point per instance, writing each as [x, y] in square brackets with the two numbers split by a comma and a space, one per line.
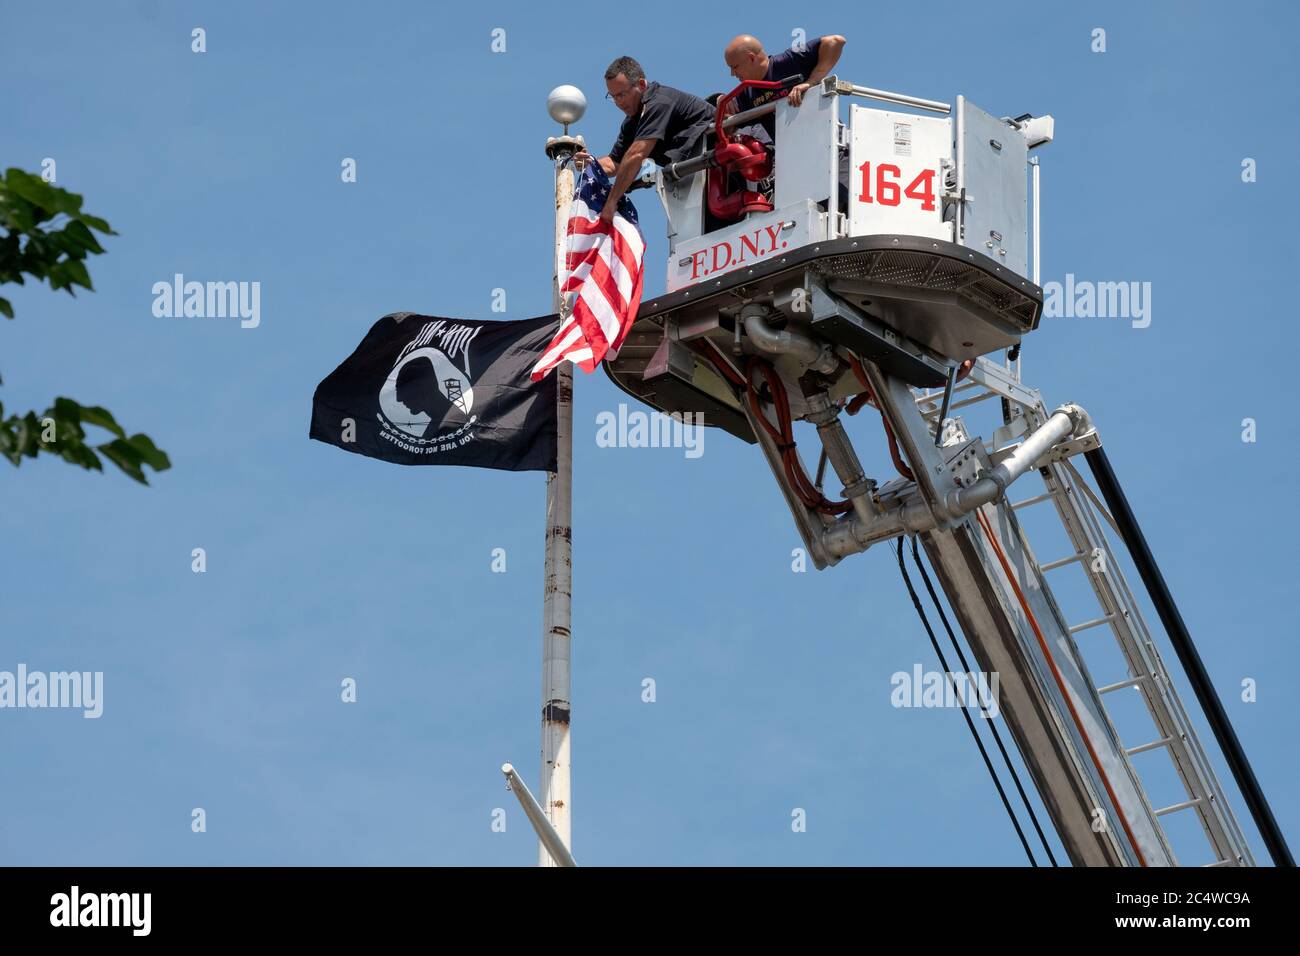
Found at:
[566, 104]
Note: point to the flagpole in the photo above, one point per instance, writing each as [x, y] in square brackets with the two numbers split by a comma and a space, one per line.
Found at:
[566, 105]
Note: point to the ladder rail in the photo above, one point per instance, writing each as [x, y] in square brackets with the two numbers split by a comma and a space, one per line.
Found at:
[1036, 569]
[1162, 701]
[1133, 646]
[1077, 507]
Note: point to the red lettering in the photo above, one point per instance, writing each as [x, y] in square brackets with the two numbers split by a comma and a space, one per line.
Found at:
[887, 189]
[695, 264]
[773, 234]
[721, 265]
[921, 188]
[925, 180]
[750, 243]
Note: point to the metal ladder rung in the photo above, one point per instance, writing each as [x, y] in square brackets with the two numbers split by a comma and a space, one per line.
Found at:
[933, 413]
[1084, 518]
[1178, 806]
[1032, 501]
[1131, 682]
[1143, 748]
[1094, 623]
[1053, 565]
[929, 398]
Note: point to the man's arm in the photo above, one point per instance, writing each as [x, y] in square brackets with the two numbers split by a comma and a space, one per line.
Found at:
[608, 162]
[828, 54]
[583, 158]
[628, 170]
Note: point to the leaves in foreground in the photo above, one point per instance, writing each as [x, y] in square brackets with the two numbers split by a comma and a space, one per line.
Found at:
[58, 430]
[46, 235]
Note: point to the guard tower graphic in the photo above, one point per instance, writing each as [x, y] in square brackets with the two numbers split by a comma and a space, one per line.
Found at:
[451, 388]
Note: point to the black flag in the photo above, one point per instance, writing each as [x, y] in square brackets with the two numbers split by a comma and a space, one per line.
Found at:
[425, 390]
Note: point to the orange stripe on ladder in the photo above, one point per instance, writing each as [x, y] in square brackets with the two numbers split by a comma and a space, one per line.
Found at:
[1060, 682]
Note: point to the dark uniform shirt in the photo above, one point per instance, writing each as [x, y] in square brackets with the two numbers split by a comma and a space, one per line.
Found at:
[780, 66]
[676, 119]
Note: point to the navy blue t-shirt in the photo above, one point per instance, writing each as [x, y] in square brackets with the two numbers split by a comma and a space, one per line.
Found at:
[675, 118]
[780, 66]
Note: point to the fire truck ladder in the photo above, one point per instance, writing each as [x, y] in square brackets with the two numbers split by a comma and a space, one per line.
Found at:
[953, 497]
[1081, 514]
[699, 349]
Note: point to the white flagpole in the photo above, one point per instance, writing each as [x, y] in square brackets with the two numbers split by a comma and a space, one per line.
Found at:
[566, 105]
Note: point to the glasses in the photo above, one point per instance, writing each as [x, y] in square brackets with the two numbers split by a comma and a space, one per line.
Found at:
[619, 95]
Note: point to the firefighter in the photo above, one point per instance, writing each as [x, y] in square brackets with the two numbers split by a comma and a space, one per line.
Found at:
[663, 124]
[747, 60]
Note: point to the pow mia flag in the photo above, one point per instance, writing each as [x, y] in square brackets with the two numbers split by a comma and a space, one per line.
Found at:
[426, 390]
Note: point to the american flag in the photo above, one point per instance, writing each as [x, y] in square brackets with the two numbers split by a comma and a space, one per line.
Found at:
[602, 282]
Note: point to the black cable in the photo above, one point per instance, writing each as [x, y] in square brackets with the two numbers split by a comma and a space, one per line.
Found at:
[916, 602]
[916, 557]
[1193, 666]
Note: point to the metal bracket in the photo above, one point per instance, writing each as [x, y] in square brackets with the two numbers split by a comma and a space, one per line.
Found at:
[564, 146]
[537, 817]
[833, 84]
[835, 320]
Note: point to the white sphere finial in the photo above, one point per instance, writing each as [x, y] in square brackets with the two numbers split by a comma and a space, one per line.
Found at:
[566, 104]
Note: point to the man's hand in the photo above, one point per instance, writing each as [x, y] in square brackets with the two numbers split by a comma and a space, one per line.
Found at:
[796, 94]
[629, 168]
[582, 158]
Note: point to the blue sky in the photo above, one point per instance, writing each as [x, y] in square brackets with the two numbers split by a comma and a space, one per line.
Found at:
[222, 689]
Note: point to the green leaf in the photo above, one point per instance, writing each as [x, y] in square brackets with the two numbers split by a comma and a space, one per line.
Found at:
[45, 235]
[58, 278]
[83, 455]
[150, 454]
[81, 238]
[29, 430]
[75, 269]
[39, 193]
[99, 225]
[126, 457]
[22, 437]
[95, 415]
[32, 188]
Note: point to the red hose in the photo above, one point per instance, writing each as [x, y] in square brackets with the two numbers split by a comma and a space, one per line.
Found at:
[782, 433]
[899, 465]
